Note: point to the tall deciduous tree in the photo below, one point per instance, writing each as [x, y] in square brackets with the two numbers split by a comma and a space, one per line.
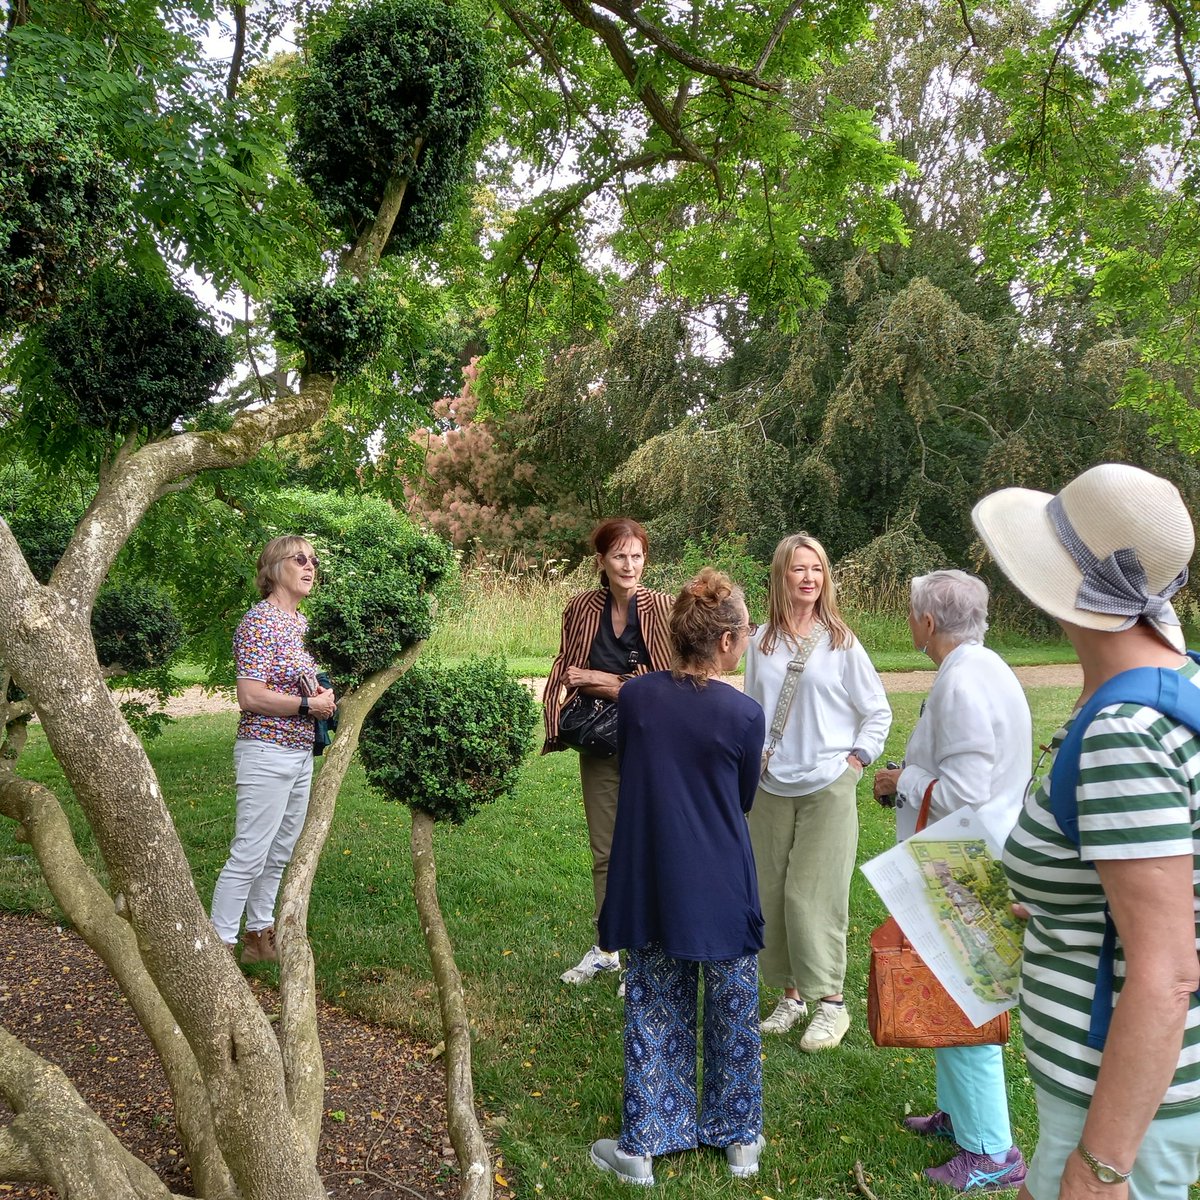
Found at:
[1100, 165]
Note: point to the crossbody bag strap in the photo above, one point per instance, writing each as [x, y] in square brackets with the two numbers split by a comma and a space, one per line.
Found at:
[791, 682]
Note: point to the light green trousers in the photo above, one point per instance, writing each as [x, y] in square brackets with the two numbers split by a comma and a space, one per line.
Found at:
[804, 848]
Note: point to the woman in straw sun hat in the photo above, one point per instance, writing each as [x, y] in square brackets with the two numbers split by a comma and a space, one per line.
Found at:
[1104, 557]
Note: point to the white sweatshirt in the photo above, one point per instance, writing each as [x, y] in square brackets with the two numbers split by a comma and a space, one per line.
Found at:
[839, 706]
[975, 737]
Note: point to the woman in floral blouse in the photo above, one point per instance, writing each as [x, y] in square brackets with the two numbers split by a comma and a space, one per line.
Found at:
[273, 754]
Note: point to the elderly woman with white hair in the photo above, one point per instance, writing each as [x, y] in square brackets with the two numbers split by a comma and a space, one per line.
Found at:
[970, 748]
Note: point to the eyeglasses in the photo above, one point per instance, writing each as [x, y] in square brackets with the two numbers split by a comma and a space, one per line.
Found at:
[751, 629]
[304, 559]
[1036, 778]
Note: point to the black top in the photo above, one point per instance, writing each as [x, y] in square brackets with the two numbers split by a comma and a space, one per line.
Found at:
[613, 654]
[681, 871]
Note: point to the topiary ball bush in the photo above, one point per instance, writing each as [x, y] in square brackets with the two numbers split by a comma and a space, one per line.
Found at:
[339, 327]
[449, 740]
[135, 627]
[379, 577]
[135, 353]
[61, 203]
[395, 73]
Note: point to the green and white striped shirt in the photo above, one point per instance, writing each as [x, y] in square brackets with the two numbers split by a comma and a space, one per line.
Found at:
[1139, 797]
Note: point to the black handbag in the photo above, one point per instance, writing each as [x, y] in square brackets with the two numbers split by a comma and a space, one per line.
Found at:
[589, 724]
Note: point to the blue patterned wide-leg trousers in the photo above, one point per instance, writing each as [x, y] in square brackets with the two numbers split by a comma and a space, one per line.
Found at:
[659, 1114]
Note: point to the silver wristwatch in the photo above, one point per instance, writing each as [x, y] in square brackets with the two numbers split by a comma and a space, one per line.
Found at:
[1102, 1171]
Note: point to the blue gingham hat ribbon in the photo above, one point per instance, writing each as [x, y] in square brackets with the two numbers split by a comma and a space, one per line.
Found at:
[1116, 585]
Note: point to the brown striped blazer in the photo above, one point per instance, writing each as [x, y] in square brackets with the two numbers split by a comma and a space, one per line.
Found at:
[580, 623]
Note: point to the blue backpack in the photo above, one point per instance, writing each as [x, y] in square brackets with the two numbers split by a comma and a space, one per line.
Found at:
[1158, 688]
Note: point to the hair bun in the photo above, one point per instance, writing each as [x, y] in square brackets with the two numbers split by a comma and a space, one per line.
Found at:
[711, 587]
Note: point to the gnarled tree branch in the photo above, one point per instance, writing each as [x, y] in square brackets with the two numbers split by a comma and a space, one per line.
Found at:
[465, 1134]
[76, 1153]
[90, 910]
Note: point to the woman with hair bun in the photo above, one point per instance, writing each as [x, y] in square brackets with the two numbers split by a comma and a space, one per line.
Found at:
[683, 896]
[609, 634]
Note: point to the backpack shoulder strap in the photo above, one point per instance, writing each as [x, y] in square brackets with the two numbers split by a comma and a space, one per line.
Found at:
[1158, 688]
[1142, 685]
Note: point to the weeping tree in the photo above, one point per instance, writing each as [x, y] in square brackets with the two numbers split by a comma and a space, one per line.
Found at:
[446, 742]
[112, 376]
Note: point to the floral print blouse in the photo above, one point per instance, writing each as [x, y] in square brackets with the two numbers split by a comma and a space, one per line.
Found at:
[269, 646]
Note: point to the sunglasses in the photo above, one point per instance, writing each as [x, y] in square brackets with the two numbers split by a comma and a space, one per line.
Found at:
[304, 559]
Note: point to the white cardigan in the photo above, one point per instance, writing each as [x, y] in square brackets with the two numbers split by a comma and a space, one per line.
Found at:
[839, 706]
[975, 737]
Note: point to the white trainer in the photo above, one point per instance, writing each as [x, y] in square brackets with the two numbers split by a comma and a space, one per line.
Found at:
[743, 1157]
[590, 965]
[827, 1028]
[628, 1168]
[787, 1012]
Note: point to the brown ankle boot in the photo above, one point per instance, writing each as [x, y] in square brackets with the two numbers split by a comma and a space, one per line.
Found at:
[260, 946]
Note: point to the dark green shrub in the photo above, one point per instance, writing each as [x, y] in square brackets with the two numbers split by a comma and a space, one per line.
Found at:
[729, 554]
[397, 73]
[60, 201]
[339, 327]
[42, 527]
[134, 626]
[134, 353]
[379, 577]
[449, 741]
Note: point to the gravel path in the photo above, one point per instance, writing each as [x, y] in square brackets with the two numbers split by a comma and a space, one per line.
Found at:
[196, 700]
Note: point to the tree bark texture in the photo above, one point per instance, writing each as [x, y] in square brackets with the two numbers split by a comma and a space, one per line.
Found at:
[303, 1063]
[474, 1161]
[369, 248]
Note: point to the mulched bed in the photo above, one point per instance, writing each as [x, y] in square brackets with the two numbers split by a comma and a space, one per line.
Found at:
[384, 1136]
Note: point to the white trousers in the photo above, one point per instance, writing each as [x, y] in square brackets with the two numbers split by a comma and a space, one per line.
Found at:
[272, 800]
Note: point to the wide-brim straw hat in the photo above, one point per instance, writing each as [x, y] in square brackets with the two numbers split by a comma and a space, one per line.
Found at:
[1111, 507]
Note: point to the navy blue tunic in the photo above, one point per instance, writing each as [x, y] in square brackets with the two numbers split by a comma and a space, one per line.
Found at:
[681, 870]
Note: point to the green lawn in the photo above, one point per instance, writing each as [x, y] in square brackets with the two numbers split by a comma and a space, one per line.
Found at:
[515, 888]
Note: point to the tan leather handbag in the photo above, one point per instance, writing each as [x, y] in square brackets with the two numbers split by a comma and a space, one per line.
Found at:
[906, 1005]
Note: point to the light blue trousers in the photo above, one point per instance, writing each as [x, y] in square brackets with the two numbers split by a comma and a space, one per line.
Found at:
[970, 1087]
[1167, 1164]
[272, 801]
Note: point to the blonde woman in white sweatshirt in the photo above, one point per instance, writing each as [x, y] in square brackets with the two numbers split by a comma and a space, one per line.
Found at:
[804, 823]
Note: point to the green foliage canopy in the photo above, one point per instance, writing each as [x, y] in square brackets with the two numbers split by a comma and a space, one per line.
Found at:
[449, 741]
[135, 626]
[379, 579]
[1099, 192]
[339, 327]
[61, 200]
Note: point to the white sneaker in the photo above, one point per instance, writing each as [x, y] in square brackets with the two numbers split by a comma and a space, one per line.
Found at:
[628, 1168]
[593, 962]
[787, 1013]
[827, 1028]
[743, 1158]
